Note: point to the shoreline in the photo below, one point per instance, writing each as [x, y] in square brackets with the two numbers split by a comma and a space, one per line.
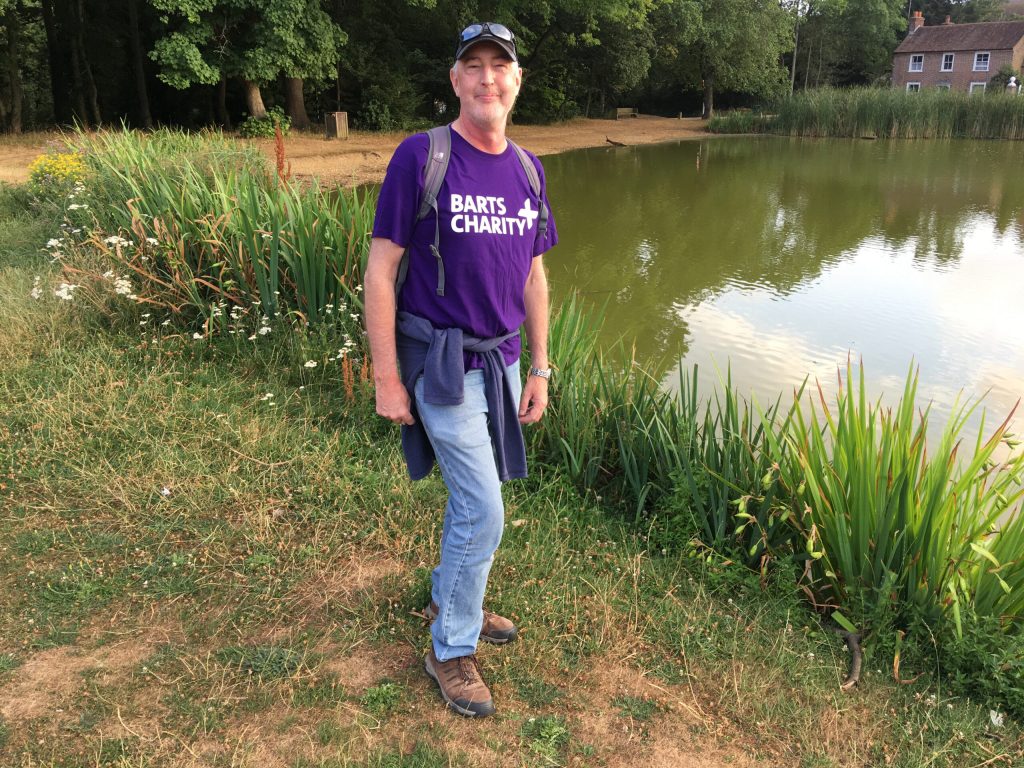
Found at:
[363, 157]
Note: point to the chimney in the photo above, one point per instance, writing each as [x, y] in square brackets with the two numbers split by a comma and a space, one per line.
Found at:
[916, 22]
[948, 22]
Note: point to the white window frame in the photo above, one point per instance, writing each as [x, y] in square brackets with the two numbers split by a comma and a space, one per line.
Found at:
[988, 61]
[977, 86]
[914, 87]
[920, 62]
[944, 86]
[952, 60]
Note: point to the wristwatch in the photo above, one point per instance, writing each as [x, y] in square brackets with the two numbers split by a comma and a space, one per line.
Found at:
[544, 373]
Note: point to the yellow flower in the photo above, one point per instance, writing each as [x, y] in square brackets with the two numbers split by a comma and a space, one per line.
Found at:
[63, 168]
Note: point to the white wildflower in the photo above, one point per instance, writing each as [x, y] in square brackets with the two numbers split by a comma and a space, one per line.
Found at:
[253, 337]
[77, 206]
[116, 240]
[109, 274]
[310, 364]
[37, 291]
[359, 289]
[66, 291]
[197, 335]
[165, 491]
[123, 286]
[268, 396]
[996, 718]
[152, 240]
[53, 242]
[166, 322]
[264, 330]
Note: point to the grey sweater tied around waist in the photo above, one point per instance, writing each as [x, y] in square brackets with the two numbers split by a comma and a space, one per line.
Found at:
[437, 355]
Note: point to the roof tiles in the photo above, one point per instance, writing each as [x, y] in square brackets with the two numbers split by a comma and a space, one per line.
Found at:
[986, 36]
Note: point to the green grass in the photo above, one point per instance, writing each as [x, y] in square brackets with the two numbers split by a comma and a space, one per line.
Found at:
[290, 544]
[887, 113]
[382, 700]
[547, 739]
[636, 707]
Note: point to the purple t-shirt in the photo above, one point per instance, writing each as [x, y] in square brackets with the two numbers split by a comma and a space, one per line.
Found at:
[488, 238]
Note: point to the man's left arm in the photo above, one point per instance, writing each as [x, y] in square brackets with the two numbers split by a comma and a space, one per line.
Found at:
[535, 391]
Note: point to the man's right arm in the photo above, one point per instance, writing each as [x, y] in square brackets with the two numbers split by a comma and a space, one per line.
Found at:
[393, 401]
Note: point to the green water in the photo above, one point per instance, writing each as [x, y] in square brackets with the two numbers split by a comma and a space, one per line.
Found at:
[782, 257]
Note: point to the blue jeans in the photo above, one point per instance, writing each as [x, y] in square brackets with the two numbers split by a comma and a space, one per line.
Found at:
[474, 515]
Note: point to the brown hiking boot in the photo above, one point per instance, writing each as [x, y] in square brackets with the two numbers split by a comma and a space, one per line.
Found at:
[496, 629]
[462, 687]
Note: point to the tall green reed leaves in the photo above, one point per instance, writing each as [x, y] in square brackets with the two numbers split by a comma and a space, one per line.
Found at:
[889, 532]
[215, 225]
[666, 459]
[885, 113]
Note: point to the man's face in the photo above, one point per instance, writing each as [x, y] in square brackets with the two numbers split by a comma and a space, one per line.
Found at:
[487, 83]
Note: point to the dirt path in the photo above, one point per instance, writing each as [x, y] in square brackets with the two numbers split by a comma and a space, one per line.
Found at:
[363, 157]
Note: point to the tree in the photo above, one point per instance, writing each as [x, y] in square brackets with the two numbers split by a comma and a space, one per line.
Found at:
[11, 110]
[809, 15]
[868, 33]
[739, 46]
[959, 11]
[255, 41]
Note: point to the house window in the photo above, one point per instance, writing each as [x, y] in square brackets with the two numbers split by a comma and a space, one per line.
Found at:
[917, 62]
[942, 86]
[981, 61]
[913, 87]
[947, 62]
[979, 87]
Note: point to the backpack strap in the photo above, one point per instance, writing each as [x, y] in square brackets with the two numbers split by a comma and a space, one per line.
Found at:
[534, 179]
[439, 151]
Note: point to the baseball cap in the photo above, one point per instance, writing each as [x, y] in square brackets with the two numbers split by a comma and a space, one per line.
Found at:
[487, 31]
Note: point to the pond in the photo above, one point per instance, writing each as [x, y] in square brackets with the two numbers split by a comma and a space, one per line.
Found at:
[779, 258]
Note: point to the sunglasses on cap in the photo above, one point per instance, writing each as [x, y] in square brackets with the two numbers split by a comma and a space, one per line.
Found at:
[473, 31]
[488, 30]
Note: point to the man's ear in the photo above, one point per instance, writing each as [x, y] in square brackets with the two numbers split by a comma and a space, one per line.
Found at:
[454, 77]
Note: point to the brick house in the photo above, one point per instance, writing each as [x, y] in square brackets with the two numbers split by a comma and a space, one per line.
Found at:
[961, 57]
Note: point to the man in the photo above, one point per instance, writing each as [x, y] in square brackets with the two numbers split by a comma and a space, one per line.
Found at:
[472, 275]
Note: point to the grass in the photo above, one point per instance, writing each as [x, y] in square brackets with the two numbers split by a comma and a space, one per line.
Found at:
[884, 113]
[191, 531]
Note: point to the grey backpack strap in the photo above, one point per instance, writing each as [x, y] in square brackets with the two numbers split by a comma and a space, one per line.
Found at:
[534, 179]
[439, 151]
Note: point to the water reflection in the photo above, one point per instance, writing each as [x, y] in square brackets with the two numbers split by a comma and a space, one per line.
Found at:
[784, 256]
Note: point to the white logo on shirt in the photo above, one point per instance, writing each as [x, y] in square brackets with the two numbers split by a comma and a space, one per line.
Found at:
[484, 214]
[526, 212]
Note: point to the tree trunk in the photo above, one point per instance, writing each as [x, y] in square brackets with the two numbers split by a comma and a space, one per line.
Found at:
[807, 74]
[222, 104]
[709, 96]
[796, 49]
[79, 113]
[295, 103]
[57, 53]
[90, 83]
[138, 59]
[13, 73]
[254, 100]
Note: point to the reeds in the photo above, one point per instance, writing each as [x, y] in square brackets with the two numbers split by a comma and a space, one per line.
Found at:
[215, 225]
[885, 113]
[880, 530]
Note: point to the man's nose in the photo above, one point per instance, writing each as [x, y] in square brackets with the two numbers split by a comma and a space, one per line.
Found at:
[487, 74]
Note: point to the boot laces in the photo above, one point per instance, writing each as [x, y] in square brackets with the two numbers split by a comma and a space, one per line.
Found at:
[469, 668]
